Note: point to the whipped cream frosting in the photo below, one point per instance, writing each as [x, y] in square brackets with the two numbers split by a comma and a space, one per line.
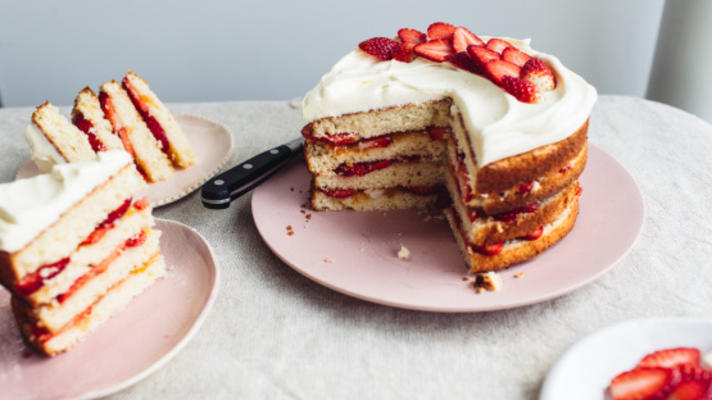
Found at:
[44, 154]
[498, 124]
[29, 206]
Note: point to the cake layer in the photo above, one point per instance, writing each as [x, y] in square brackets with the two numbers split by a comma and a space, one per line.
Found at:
[159, 120]
[55, 212]
[372, 123]
[89, 319]
[482, 229]
[117, 266]
[88, 117]
[135, 135]
[53, 139]
[408, 174]
[87, 256]
[323, 158]
[367, 200]
[516, 250]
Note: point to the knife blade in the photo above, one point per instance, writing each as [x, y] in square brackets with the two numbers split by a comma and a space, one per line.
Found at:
[219, 191]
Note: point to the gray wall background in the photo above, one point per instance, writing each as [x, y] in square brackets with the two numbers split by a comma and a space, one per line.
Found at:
[251, 50]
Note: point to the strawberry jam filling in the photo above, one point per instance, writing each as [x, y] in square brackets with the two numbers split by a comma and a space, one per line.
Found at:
[85, 126]
[108, 223]
[110, 114]
[156, 129]
[31, 283]
[512, 215]
[366, 167]
[338, 139]
[43, 335]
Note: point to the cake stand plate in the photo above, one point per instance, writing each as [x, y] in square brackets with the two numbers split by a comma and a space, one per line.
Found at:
[212, 144]
[355, 252]
[586, 368]
[132, 344]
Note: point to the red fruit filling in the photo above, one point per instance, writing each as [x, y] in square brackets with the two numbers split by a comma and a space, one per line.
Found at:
[566, 168]
[372, 143]
[579, 190]
[437, 132]
[489, 249]
[108, 223]
[361, 168]
[535, 234]
[527, 187]
[158, 132]
[336, 139]
[43, 335]
[512, 215]
[30, 283]
[340, 193]
[85, 126]
[137, 240]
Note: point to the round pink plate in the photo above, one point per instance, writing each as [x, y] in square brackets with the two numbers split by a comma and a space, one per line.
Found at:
[132, 344]
[212, 144]
[355, 253]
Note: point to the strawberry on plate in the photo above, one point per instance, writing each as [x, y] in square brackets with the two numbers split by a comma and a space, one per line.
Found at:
[670, 358]
[440, 30]
[538, 73]
[498, 69]
[644, 383]
[434, 50]
[462, 38]
[695, 384]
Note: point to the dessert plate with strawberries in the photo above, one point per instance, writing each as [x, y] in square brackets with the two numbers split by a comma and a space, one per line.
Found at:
[663, 358]
[357, 253]
[129, 346]
[212, 144]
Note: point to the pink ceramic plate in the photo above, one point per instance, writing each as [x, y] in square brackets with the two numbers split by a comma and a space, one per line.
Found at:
[128, 347]
[355, 252]
[212, 144]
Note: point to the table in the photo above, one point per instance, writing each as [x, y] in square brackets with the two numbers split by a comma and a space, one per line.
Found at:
[275, 334]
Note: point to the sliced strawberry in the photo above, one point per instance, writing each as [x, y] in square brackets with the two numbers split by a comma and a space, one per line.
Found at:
[462, 38]
[434, 50]
[376, 142]
[536, 234]
[361, 168]
[440, 30]
[404, 52]
[380, 47]
[339, 193]
[411, 36]
[644, 383]
[337, 139]
[463, 61]
[142, 203]
[530, 208]
[490, 249]
[522, 90]
[538, 73]
[695, 384]
[498, 69]
[481, 55]
[515, 56]
[670, 358]
[498, 45]
[437, 132]
[526, 187]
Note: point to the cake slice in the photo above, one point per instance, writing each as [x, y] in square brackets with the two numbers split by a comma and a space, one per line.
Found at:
[76, 245]
[138, 140]
[88, 117]
[159, 120]
[53, 139]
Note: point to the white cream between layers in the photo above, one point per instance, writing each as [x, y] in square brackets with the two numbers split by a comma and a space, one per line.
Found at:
[29, 206]
[498, 124]
[44, 154]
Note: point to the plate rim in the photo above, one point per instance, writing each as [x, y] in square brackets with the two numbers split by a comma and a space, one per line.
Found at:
[168, 356]
[546, 391]
[516, 304]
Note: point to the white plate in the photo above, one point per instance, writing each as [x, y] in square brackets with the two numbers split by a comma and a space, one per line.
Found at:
[586, 369]
[212, 144]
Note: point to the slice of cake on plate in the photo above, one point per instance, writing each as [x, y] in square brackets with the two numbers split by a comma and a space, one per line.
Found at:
[88, 117]
[76, 245]
[159, 120]
[499, 124]
[53, 139]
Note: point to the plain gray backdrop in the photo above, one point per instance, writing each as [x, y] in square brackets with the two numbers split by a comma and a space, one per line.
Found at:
[262, 50]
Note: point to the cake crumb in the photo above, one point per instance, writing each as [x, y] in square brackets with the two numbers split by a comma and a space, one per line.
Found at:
[290, 231]
[303, 211]
[309, 216]
[404, 253]
[519, 274]
[465, 279]
[328, 260]
[487, 281]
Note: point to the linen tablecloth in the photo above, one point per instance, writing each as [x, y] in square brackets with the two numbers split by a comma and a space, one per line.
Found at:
[275, 334]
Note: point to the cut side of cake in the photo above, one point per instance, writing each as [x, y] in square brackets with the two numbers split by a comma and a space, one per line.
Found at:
[159, 120]
[89, 118]
[501, 126]
[76, 245]
[138, 140]
[53, 139]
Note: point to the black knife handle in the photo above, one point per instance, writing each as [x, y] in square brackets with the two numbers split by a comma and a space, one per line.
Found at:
[219, 191]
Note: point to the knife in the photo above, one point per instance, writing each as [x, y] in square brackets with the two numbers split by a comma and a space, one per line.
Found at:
[219, 191]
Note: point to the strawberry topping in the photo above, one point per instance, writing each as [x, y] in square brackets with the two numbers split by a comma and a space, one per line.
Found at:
[463, 61]
[498, 69]
[404, 52]
[481, 55]
[462, 38]
[435, 50]
[440, 30]
[515, 56]
[538, 73]
[498, 45]
[382, 48]
[522, 90]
